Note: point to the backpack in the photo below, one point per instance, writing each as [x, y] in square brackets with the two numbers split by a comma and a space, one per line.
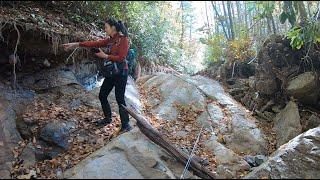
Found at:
[131, 56]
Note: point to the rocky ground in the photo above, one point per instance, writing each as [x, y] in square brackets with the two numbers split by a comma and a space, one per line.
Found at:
[54, 136]
[46, 122]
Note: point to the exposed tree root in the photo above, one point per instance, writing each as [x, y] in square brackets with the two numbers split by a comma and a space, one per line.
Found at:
[15, 56]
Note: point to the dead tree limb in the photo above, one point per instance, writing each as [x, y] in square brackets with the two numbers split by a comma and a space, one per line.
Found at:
[157, 138]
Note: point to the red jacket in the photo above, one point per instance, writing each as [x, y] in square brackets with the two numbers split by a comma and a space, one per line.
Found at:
[119, 46]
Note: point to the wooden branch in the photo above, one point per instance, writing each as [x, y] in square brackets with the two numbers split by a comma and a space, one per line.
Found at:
[157, 138]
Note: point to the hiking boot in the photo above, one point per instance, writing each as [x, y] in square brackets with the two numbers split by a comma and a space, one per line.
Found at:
[125, 128]
[103, 122]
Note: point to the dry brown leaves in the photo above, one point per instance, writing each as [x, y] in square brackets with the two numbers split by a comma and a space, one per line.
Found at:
[41, 113]
[185, 122]
[267, 129]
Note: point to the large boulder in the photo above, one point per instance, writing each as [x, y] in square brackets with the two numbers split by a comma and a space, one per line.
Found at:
[227, 116]
[242, 131]
[47, 79]
[299, 158]
[28, 155]
[265, 84]
[287, 123]
[56, 133]
[9, 136]
[313, 121]
[11, 105]
[129, 156]
[305, 87]
[229, 163]
[172, 89]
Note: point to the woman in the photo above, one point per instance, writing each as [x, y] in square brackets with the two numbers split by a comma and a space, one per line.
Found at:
[118, 45]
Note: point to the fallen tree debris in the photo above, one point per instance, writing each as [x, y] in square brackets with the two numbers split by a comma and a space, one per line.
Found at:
[157, 138]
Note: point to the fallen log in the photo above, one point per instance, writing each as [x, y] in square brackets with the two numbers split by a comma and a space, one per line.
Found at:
[157, 138]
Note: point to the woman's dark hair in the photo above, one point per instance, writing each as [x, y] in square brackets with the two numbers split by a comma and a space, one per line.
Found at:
[119, 26]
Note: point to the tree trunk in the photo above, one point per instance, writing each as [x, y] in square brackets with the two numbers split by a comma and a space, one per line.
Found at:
[302, 12]
[309, 7]
[158, 139]
[230, 19]
[227, 22]
[273, 25]
[182, 27]
[269, 25]
[246, 17]
[318, 12]
[222, 24]
[205, 4]
[190, 34]
[239, 16]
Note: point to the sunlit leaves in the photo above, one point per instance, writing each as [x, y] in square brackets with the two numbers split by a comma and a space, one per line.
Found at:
[296, 37]
[240, 50]
[308, 34]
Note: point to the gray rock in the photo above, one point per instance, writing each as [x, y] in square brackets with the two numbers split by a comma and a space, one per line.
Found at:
[173, 90]
[28, 156]
[49, 79]
[255, 161]
[287, 123]
[75, 103]
[56, 133]
[275, 109]
[242, 130]
[47, 150]
[297, 159]
[5, 174]
[215, 112]
[9, 137]
[245, 133]
[265, 83]
[313, 121]
[305, 87]
[141, 162]
[229, 163]
[223, 155]
[132, 95]
[224, 172]
[130, 155]
[23, 128]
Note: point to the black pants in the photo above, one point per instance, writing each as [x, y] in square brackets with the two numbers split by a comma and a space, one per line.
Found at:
[119, 82]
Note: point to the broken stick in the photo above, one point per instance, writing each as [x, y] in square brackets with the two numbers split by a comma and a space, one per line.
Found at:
[157, 138]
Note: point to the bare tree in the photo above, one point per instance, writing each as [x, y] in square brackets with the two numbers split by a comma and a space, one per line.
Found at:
[302, 12]
[225, 17]
[205, 4]
[220, 20]
[182, 27]
[230, 19]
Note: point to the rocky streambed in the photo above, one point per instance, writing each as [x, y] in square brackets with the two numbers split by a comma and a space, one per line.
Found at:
[47, 131]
